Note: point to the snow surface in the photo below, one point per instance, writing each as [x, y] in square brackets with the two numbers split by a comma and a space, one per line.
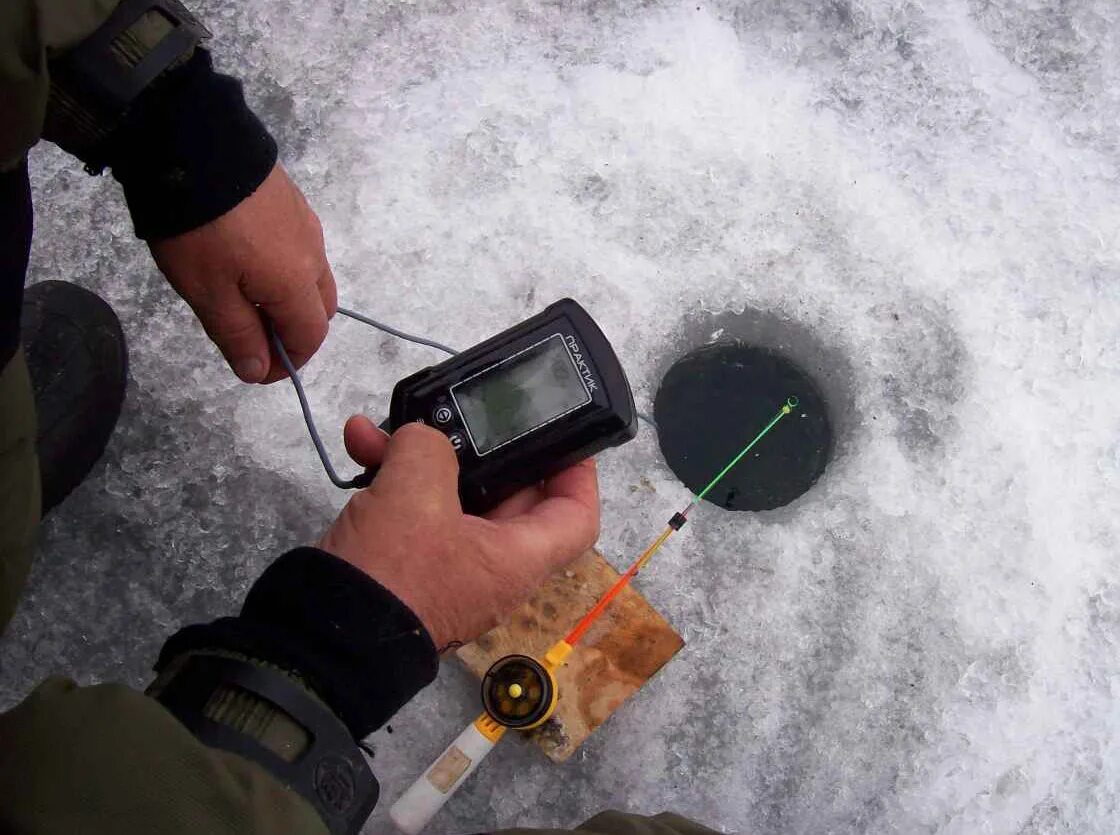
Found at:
[920, 200]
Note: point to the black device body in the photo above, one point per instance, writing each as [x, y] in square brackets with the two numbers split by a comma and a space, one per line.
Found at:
[524, 404]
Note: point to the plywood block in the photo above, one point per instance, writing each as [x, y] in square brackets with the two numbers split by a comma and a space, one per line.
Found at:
[625, 647]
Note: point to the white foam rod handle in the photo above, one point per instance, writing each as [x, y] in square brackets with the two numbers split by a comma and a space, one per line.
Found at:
[417, 806]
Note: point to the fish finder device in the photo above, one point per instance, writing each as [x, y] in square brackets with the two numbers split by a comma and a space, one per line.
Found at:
[524, 404]
[517, 408]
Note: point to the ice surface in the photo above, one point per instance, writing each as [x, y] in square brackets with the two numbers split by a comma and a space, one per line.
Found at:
[928, 640]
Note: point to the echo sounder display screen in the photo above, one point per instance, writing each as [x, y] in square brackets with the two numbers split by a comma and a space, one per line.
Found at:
[520, 394]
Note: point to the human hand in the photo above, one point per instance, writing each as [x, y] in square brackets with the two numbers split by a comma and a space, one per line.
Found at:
[264, 256]
[458, 573]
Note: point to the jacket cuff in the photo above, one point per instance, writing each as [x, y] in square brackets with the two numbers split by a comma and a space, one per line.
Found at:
[356, 645]
[189, 150]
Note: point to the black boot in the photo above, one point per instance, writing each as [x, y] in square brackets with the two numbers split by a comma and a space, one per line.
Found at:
[78, 363]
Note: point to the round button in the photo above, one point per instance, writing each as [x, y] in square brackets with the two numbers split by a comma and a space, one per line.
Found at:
[442, 415]
[456, 441]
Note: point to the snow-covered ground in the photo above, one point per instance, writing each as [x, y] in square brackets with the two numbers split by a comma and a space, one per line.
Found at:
[921, 200]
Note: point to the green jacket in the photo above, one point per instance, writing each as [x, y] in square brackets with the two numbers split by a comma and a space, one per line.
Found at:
[31, 32]
[108, 759]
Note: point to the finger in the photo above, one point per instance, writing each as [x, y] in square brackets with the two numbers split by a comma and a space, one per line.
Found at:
[300, 320]
[518, 504]
[365, 443]
[325, 282]
[296, 355]
[420, 464]
[235, 327]
[579, 483]
[328, 292]
[276, 370]
[565, 523]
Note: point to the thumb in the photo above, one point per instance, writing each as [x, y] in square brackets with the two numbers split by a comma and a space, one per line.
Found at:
[235, 326]
[365, 443]
[421, 467]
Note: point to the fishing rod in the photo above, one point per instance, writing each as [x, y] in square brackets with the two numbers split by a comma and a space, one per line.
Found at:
[519, 692]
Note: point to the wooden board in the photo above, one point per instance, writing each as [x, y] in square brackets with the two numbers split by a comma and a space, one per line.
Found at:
[625, 647]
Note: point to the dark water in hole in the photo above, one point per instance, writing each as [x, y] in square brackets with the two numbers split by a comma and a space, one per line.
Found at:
[710, 405]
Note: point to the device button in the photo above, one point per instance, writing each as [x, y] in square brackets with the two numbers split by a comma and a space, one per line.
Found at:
[442, 415]
[456, 441]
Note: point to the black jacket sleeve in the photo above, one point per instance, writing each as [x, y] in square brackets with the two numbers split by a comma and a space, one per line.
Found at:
[358, 647]
[189, 150]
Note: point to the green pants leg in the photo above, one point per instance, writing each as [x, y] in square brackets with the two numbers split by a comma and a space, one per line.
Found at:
[107, 759]
[19, 483]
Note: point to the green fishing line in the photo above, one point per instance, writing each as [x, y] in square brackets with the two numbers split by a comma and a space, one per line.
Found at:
[790, 404]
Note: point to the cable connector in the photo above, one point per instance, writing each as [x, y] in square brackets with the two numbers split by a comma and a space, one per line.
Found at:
[678, 521]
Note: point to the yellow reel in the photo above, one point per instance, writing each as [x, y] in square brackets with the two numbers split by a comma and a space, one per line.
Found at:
[519, 692]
